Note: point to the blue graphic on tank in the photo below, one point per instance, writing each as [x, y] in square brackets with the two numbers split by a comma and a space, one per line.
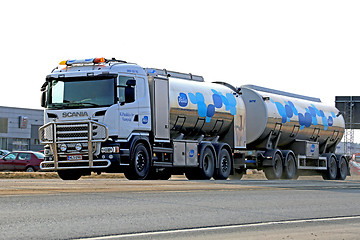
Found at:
[208, 111]
[310, 117]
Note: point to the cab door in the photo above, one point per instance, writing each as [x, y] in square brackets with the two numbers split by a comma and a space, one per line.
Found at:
[128, 106]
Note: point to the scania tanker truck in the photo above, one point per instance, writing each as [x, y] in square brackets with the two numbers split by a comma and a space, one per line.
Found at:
[107, 115]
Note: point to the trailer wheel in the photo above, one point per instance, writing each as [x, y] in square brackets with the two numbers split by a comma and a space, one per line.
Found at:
[223, 172]
[275, 171]
[343, 169]
[289, 171]
[207, 160]
[332, 169]
[69, 174]
[139, 163]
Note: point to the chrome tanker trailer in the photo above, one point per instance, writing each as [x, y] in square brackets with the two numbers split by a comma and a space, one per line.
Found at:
[290, 134]
[111, 116]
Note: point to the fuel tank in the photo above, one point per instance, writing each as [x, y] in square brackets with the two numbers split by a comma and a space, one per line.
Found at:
[206, 109]
[297, 117]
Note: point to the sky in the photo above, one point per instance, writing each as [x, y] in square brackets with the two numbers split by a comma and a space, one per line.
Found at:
[306, 47]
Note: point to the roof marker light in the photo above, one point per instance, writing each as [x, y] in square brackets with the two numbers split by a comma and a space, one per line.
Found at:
[99, 60]
[63, 62]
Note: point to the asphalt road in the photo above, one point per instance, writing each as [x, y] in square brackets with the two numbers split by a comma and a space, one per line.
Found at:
[179, 209]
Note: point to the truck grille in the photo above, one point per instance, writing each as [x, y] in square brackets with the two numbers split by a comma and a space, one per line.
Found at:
[73, 132]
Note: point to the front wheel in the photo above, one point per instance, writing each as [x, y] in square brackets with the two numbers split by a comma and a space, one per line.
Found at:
[139, 163]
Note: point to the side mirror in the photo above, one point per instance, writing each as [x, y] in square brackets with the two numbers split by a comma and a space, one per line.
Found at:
[43, 99]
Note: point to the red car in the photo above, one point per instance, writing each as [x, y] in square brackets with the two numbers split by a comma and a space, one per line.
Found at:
[22, 161]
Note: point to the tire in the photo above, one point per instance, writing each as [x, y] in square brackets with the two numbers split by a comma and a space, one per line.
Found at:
[69, 174]
[290, 170]
[139, 164]
[224, 170]
[342, 170]
[207, 160]
[275, 171]
[30, 169]
[332, 169]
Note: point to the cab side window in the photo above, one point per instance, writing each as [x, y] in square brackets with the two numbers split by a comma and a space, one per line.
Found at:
[126, 89]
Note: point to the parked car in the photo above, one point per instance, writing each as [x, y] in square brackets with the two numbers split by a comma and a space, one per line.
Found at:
[22, 161]
[3, 153]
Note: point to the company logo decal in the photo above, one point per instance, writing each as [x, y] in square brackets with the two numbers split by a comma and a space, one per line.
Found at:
[183, 100]
[191, 153]
[207, 111]
[145, 120]
[74, 114]
[312, 148]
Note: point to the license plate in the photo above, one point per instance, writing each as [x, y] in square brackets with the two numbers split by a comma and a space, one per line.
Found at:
[74, 157]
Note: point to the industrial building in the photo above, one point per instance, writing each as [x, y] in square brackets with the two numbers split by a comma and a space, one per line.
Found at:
[19, 128]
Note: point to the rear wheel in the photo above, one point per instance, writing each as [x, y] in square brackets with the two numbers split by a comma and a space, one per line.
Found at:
[69, 174]
[332, 169]
[139, 164]
[207, 160]
[343, 169]
[275, 171]
[224, 169]
[289, 171]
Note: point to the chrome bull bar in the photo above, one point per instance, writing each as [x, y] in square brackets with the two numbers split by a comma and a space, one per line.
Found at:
[87, 133]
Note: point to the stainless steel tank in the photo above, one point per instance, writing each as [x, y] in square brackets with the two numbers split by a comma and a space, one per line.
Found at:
[295, 116]
[209, 109]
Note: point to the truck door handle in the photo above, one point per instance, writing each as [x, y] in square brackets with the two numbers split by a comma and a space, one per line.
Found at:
[136, 118]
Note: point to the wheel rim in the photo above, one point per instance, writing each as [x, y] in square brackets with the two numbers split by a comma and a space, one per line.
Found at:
[224, 164]
[30, 169]
[140, 162]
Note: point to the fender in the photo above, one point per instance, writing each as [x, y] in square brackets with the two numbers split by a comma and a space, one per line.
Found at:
[137, 139]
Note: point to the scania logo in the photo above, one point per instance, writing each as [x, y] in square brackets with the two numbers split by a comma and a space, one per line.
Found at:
[74, 114]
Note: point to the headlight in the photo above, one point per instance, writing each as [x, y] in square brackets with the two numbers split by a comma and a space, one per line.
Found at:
[78, 147]
[63, 147]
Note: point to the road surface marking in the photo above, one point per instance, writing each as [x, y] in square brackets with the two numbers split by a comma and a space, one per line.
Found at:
[221, 227]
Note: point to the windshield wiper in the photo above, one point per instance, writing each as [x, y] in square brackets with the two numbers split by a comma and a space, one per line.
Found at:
[81, 104]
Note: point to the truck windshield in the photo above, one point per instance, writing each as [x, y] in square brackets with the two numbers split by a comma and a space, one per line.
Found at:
[81, 93]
